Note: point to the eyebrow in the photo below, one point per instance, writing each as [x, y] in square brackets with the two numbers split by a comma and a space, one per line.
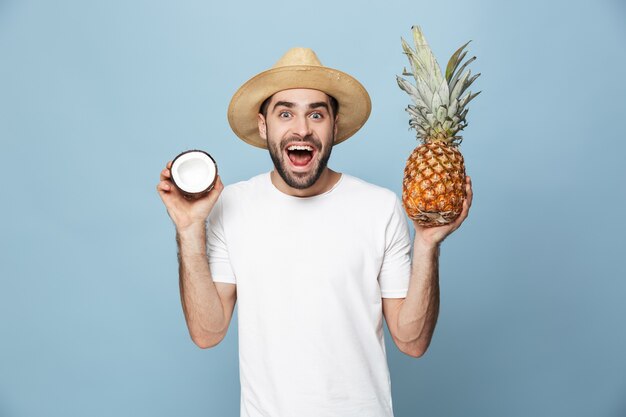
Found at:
[291, 105]
[284, 104]
[318, 104]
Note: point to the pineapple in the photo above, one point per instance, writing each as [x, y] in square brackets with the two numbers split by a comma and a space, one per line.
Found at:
[433, 188]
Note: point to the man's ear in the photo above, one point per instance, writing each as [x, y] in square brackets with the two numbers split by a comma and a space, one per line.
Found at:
[336, 128]
[262, 126]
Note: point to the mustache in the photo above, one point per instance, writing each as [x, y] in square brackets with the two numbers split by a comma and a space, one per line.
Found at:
[310, 139]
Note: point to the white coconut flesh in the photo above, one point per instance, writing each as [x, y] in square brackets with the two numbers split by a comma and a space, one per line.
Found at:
[193, 172]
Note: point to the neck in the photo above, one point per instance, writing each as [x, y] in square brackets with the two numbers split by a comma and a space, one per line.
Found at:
[324, 183]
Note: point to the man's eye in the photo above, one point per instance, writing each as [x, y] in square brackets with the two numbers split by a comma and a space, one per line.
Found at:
[316, 116]
[283, 114]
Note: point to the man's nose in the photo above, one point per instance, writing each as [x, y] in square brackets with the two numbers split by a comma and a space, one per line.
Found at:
[302, 127]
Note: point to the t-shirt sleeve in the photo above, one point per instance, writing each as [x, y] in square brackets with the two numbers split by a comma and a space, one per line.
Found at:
[219, 261]
[396, 268]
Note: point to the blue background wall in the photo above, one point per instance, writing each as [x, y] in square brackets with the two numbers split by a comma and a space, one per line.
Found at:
[95, 97]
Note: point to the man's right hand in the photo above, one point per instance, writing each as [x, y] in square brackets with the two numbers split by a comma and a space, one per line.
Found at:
[186, 213]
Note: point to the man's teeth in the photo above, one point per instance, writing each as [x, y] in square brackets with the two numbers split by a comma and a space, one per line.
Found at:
[300, 148]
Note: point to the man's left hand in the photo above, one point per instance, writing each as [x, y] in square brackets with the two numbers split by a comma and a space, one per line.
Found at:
[433, 236]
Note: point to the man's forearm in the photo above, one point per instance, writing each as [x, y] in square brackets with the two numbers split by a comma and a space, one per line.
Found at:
[418, 313]
[200, 300]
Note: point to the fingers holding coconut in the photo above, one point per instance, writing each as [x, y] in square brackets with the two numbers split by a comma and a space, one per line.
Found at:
[165, 184]
[188, 212]
[168, 192]
[165, 174]
[214, 194]
[190, 188]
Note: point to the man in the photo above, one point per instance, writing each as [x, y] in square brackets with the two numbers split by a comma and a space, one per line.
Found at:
[315, 257]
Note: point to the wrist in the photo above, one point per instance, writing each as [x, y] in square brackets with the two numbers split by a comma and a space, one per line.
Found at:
[425, 245]
[191, 240]
[191, 229]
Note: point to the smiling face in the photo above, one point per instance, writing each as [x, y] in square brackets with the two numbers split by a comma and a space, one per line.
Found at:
[300, 128]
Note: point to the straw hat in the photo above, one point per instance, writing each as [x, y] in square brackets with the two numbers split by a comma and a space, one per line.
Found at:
[298, 68]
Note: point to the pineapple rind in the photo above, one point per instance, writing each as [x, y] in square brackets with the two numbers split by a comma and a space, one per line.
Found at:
[433, 189]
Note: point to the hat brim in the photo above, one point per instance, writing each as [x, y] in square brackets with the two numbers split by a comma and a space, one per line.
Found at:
[354, 101]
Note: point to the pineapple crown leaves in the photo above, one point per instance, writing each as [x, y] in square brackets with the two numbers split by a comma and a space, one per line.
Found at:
[439, 108]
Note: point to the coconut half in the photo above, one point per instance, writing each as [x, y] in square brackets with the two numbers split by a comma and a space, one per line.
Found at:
[194, 173]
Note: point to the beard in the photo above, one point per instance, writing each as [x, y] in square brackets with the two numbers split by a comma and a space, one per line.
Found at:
[300, 180]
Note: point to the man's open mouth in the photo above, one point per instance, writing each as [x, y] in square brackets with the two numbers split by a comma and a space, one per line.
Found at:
[300, 155]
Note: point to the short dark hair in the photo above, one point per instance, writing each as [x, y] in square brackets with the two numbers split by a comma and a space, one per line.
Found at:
[334, 105]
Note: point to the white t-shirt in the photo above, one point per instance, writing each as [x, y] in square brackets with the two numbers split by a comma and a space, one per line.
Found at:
[311, 274]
